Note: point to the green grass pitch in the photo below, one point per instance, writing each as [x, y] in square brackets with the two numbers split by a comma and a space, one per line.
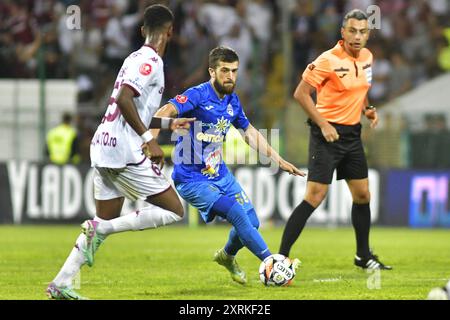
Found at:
[175, 262]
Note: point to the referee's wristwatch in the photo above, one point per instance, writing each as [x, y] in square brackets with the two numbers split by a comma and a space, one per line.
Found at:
[368, 108]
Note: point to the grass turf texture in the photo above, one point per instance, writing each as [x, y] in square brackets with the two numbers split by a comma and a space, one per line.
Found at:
[175, 262]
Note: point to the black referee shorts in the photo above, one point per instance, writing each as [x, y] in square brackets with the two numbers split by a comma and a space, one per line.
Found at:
[346, 155]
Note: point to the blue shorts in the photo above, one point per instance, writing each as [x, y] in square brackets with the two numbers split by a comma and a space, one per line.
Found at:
[204, 194]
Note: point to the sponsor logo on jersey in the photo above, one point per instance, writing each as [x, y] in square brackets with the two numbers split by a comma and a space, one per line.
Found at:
[230, 110]
[181, 99]
[145, 69]
[212, 162]
[342, 69]
[135, 82]
[222, 125]
[208, 137]
[209, 107]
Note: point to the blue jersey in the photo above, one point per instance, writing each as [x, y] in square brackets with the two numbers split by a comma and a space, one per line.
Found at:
[198, 157]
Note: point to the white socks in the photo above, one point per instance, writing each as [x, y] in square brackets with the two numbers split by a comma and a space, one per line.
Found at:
[145, 218]
[72, 265]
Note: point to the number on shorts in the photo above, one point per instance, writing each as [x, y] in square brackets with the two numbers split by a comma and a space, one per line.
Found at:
[156, 169]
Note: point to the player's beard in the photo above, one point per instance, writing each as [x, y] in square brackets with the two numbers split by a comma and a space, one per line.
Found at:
[222, 89]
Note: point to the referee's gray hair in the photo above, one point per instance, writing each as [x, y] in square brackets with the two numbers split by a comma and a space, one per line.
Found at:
[354, 14]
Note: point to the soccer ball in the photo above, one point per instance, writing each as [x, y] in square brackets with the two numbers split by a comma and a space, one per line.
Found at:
[438, 294]
[276, 270]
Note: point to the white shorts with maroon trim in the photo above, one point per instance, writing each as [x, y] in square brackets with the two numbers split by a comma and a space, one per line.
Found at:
[133, 182]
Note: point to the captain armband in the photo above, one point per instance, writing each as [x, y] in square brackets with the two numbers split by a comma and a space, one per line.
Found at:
[166, 122]
[160, 123]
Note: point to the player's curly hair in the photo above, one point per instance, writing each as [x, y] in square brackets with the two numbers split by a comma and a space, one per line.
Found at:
[222, 54]
[156, 16]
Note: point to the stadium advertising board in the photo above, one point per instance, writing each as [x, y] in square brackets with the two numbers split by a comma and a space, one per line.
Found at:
[38, 193]
[417, 198]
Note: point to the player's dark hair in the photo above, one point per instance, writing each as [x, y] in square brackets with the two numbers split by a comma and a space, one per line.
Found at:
[156, 16]
[354, 14]
[67, 117]
[222, 54]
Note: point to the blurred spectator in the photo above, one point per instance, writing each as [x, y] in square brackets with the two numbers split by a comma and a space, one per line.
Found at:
[440, 8]
[259, 18]
[240, 39]
[110, 31]
[43, 11]
[329, 22]
[117, 41]
[55, 66]
[400, 76]
[218, 17]
[100, 11]
[85, 58]
[443, 50]
[194, 43]
[381, 70]
[20, 39]
[62, 142]
[303, 32]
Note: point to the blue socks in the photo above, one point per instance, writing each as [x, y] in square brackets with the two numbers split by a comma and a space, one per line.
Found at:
[244, 230]
[234, 244]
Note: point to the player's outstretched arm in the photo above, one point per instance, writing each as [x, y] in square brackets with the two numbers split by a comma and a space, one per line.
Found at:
[171, 123]
[168, 111]
[257, 141]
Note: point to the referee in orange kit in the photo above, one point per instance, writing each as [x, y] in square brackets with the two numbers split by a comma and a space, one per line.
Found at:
[341, 76]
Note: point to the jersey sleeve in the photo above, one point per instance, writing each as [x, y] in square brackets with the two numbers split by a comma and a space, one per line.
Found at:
[317, 72]
[186, 102]
[241, 121]
[139, 72]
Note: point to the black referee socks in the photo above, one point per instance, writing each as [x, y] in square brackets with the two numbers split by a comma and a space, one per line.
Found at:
[294, 226]
[361, 224]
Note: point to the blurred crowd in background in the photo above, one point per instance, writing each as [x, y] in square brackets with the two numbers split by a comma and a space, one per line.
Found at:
[408, 50]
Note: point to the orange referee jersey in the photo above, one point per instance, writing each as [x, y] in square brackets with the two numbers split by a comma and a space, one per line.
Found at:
[342, 82]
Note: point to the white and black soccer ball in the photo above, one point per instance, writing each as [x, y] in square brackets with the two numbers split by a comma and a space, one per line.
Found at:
[276, 270]
[439, 294]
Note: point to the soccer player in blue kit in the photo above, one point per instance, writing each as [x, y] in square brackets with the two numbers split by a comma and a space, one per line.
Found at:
[200, 175]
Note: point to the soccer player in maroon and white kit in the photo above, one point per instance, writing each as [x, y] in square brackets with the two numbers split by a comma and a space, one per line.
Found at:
[127, 160]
